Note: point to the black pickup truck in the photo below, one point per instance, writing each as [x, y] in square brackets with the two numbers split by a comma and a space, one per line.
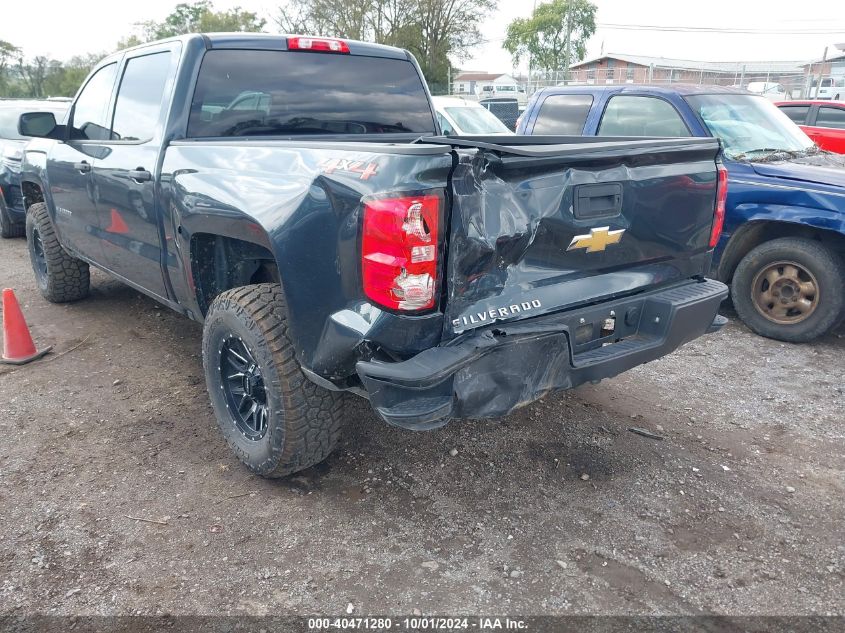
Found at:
[295, 195]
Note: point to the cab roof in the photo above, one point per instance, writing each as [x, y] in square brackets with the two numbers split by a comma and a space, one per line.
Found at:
[271, 41]
[681, 89]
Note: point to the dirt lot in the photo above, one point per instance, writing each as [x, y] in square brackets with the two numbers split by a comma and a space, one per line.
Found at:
[556, 509]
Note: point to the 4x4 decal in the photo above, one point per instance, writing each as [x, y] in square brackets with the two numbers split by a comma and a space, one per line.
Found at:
[364, 171]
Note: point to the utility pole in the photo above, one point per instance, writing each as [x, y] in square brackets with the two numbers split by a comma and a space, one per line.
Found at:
[821, 73]
[566, 53]
[530, 60]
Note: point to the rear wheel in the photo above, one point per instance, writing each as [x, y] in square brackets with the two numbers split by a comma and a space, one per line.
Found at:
[790, 289]
[9, 228]
[61, 277]
[275, 420]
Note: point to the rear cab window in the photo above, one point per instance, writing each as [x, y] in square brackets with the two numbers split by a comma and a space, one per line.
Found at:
[633, 115]
[563, 114]
[285, 93]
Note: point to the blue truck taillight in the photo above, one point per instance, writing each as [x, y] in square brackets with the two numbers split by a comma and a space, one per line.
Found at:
[399, 251]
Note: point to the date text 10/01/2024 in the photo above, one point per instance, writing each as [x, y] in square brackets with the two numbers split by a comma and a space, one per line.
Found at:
[421, 623]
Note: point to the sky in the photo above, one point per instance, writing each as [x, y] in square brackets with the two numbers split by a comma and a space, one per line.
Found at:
[781, 30]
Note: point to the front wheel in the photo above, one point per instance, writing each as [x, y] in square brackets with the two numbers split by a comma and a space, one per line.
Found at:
[790, 289]
[60, 276]
[275, 420]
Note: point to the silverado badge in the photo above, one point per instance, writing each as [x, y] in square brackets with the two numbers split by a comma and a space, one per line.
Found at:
[598, 239]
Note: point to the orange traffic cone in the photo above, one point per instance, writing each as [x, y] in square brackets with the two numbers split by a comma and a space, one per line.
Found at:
[18, 347]
[118, 225]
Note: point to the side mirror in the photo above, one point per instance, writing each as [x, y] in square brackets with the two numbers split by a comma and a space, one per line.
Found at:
[38, 124]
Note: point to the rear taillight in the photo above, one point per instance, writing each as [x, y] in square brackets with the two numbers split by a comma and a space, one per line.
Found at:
[317, 45]
[719, 213]
[399, 251]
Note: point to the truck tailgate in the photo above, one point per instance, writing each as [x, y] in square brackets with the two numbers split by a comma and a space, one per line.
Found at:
[536, 228]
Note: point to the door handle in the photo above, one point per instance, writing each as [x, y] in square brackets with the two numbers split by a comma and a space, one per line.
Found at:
[597, 200]
[84, 167]
[139, 174]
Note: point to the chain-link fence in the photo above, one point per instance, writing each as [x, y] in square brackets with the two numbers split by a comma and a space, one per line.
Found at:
[786, 80]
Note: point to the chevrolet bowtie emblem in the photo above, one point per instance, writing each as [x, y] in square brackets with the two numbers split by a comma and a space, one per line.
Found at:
[598, 239]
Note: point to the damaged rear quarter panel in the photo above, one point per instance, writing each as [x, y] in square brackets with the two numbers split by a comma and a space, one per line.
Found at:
[303, 200]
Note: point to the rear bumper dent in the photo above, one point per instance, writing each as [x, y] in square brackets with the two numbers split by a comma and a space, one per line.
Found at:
[490, 373]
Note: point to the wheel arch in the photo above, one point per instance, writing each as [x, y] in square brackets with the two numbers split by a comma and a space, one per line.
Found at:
[32, 191]
[220, 262]
[755, 232]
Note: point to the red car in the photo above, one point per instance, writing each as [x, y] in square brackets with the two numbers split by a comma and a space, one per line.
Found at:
[822, 121]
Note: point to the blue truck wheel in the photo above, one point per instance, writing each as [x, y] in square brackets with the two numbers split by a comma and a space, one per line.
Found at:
[790, 289]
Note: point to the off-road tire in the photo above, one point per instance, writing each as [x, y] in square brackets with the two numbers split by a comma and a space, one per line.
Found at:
[7, 227]
[826, 265]
[303, 421]
[61, 277]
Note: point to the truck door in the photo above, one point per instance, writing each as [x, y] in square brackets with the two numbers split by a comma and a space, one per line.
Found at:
[126, 177]
[71, 165]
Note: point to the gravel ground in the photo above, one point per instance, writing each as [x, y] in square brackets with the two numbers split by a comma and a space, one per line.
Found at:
[118, 495]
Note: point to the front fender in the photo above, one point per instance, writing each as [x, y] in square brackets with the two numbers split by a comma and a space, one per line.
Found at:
[34, 172]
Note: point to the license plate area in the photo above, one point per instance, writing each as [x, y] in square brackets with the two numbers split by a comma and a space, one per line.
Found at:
[603, 325]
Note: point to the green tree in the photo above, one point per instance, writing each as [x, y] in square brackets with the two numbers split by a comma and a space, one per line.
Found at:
[433, 30]
[555, 35]
[129, 41]
[9, 55]
[67, 77]
[200, 17]
[35, 74]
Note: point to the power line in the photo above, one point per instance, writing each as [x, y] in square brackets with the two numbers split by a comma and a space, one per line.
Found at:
[713, 29]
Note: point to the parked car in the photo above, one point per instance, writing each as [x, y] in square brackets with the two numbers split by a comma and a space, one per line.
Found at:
[458, 117]
[12, 212]
[784, 239]
[338, 242]
[822, 121]
[832, 88]
[770, 90]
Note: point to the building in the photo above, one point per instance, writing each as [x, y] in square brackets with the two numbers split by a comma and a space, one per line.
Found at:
[469, 82]
[831, 67]
[614, 68]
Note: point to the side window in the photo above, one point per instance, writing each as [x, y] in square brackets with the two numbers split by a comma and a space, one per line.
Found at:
[831, 117]
[89, 113]
[445, 126]
[627, 115]
[796, 113]
[139, 97]
[563, 114]
[245, 103]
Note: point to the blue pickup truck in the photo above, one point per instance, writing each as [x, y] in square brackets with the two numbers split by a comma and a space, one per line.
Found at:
[297, 197]
[784, 231]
